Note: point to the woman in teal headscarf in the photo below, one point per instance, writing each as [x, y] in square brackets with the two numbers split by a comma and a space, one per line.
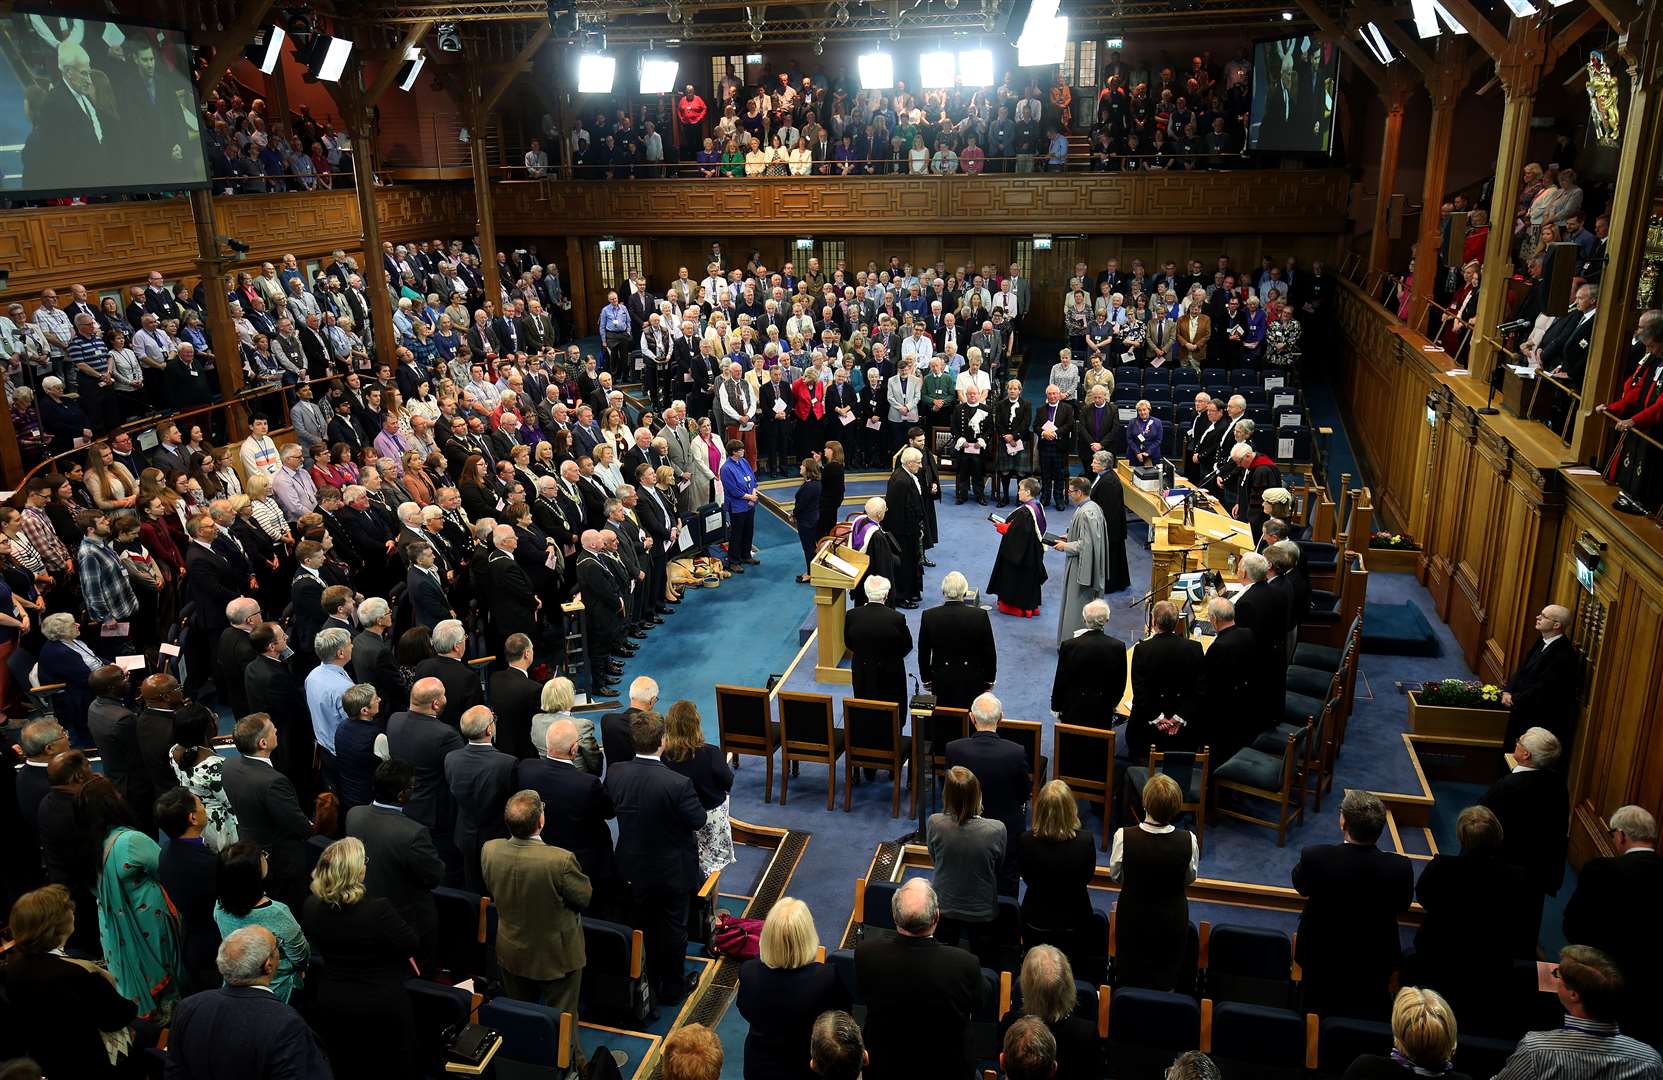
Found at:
[137, 923]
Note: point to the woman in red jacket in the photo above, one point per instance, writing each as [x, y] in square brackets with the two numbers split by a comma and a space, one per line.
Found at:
[808, 402]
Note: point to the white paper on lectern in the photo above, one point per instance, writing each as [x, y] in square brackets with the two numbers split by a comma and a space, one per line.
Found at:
[841, 566]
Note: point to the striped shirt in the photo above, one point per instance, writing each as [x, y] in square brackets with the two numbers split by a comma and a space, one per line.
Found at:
[90, 351]
[1582, 1050]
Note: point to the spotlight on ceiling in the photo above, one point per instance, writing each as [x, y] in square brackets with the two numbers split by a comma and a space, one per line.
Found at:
[1287, 16]
[820, 46]
[1524, 9]
[950, 5]
[894, 33]
[414, 61]
[1432, 17]
[266, 49]
[976, 67]
[756, 34]
[449, 39]
[658, 74]
[877, 71]
[595, 72]
[1043, 45]
[674, 14]
[327, 57]
[1376, 42]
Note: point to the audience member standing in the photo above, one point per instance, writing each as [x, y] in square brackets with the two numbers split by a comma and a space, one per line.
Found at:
[62, 1011]
[480, 778]
[576, 805]
[1154, 863]
[540, 892]
[1534, 808]
[244, 1030]
[404, 866]
[783, 991]
[422, 738]
[658, 817]
[515, 697]
[1354, 892]
[912, 984]
[362, 987]
[966, 850]
[186, 870]
[1058, 861]
[268, 813]
[1543, 689]
[1003, 772]
[1614, 910]
[240, 887]
[1590, 989]
[1091, 672]
[138, 927]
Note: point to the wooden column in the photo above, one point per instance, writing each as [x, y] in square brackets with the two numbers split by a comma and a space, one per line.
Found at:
[357, 119]
[278, 87]
[1443, 88]
[210, 264]
[1394, 94]
[1630, 210]
[577, 285]
[1520, 71]
[478, 102]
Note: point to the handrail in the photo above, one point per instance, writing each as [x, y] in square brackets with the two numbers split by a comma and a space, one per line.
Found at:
[1614, 419]
[688, 169]
[183, 418]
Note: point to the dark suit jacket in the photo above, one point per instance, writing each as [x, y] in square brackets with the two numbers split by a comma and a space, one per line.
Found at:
[240, 1032]
[210, 584]
[1535, 812]
[913, 985]
[429, 606]
[1474, 927]
[1167, 676]
[1090, 679]
[956, 654]
[576, 808]
[1614, 909]
[513, 600]
[56, 1012]
[1348, 938]
[403, 865]
[186, 869]
[1264, 610]
[115, 733]
[272, 688]
[305, 610]
[1001, 767]
[515, 698]
[1544, 689]
[879, 639]
[461, 686]
[780, 1006]
[425, 741]
[480, 778]
[615, 740]
[234, 655]
[1229, 669]
[658, 813]
[269, 814]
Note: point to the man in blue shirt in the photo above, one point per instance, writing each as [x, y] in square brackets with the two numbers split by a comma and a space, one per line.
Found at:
[324, 687]
[739, 500]
[1056, 159]
[615, 330]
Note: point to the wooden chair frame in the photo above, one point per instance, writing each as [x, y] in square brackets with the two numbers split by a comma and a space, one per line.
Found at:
[1203, 761]
[1085, 787]
[826, 752]
[1286, 816]
[855, 756]
[926, 767]
[1030, 735]
[748, 745]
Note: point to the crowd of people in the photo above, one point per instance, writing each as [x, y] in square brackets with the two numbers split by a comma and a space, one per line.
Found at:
[1144, 117]
[250, 151]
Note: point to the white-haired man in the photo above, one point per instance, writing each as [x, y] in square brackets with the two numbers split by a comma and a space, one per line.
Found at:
[1002, 768]
[879, 641]
[957, 658]
[1614, 910]
[905, 498]
[1091, 672]
[1533, 806]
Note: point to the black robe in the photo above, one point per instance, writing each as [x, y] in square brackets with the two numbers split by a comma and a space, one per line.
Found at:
[929, 479]
[882, 554]
[1019, 569]
[908, 521]
[1108, 494]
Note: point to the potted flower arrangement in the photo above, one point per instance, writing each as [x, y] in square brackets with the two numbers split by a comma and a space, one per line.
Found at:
[1466, 708]
[1393, 552]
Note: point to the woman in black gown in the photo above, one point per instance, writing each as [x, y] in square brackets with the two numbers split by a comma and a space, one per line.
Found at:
[1019, 569]
[1110, 496]
[831, 487]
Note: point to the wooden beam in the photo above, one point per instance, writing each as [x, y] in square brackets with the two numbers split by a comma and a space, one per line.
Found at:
[1479, 26]
[489, 99]
[1399, 40]
[1570, 35]
[1336, 33]
[232, 42]
[1617, 13]
[390, 68]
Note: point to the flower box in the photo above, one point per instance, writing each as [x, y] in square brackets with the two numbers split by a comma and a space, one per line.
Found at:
[1450, 720]
[1385, 560]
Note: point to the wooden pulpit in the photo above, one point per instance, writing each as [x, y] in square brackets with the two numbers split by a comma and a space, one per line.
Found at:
[835, 570]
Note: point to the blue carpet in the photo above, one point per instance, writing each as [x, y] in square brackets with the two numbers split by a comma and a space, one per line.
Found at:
[1398, 630]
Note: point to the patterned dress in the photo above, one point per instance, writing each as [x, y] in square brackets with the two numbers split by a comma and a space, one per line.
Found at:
[137, 925]
[206, 781]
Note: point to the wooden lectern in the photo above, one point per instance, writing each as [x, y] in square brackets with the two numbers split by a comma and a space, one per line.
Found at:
[1211, 543]
[835, 570]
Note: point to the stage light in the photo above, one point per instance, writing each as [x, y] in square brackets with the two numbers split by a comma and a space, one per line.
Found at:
[333, 55]
[1524, 9]
[414, 61]
[1376, 42]
[449, 39]
[976, 67]
[877, 71]
[595, 72]
[935, 70]
[658, 74]
[1287, 16]
[1429, 14]
[267, 49]
[1043, 47]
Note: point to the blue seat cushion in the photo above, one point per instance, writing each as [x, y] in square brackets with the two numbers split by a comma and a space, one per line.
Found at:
[1275, 739]
[1303, 708]
[1253, 768]
[1310, 682]
[1321, 657]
